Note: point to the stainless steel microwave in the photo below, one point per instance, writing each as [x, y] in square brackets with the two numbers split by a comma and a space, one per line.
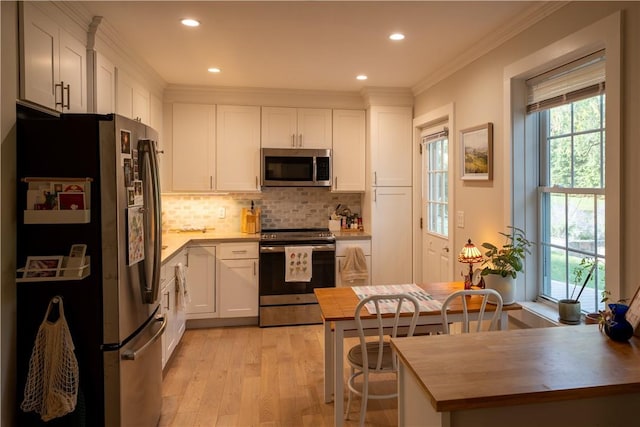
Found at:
[296, 167]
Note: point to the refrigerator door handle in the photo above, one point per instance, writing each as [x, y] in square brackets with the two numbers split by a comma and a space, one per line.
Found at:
[132, 354]
[153, 221]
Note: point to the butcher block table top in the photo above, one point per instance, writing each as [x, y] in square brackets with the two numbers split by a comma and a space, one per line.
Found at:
[513, 367]
[340, 303]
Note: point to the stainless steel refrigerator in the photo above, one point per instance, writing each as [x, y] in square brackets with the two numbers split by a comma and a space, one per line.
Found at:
[112, 308]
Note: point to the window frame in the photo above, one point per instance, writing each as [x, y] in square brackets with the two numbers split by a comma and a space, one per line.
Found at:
[519, 130]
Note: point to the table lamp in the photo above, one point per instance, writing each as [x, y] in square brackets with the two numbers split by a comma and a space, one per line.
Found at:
[469, 255]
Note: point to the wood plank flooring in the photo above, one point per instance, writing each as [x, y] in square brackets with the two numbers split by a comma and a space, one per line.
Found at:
[251, 376]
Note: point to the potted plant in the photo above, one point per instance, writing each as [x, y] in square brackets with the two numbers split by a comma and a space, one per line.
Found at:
[569, 308]
[502, 264]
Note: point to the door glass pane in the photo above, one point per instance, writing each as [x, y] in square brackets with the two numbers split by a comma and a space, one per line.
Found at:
[437, 186]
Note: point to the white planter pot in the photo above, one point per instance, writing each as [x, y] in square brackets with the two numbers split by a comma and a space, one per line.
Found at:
[505, 286]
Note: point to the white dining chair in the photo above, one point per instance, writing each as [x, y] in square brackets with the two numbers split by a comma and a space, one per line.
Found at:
[376, 356]
[489, 296]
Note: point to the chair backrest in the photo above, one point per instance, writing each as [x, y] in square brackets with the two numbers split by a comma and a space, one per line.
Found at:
[393, 305]
[487, 295]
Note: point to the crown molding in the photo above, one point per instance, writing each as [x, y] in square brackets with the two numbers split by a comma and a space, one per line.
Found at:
[263, 96]
[388, 96]
[534, 14]
[103, 34]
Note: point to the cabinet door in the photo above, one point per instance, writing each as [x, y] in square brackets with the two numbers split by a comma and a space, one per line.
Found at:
[348, 150]
[73, 73]
[39, 59]
[237, 147]
[124, 90]
[238, 287]
[167, 304]
[391, 143]
[279, 127]
[105, 85]
[193, 150]
[314, 128]
[140, 103]
[391, 236]
[201, 279]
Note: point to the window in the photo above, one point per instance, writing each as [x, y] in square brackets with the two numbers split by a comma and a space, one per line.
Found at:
[437, 177]
[568, 105]
[571, 198]
[523, 148]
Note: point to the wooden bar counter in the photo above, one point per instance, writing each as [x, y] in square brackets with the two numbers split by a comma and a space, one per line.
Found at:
[559, 376]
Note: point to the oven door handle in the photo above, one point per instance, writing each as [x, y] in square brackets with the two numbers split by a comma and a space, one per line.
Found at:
[316, 248]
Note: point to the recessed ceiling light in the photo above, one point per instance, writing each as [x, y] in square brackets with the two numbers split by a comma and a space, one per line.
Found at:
[213, 70]
[190, 22]
[361, 77]
[396, 36]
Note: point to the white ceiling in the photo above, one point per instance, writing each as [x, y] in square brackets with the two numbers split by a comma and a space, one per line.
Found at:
[313, 45]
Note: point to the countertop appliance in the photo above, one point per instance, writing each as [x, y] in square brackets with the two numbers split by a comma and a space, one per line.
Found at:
[294, 303]
[112, 313]
[296, 167]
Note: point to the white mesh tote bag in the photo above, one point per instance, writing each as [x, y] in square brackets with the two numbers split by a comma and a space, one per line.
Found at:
[51, 389]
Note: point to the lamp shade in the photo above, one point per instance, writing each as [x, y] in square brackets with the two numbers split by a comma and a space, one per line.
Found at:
[470, 254]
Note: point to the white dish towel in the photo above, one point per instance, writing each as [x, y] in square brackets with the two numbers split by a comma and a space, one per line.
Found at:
[181, 282]
[354, 267]
[297, 263]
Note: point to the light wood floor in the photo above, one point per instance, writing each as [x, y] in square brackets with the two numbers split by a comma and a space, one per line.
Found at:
[250, 376]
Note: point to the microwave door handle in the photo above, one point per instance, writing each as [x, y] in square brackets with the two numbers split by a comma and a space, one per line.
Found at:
[293, 140]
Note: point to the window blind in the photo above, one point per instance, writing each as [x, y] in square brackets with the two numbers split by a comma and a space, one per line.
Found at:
[579, 79]
[428, 137]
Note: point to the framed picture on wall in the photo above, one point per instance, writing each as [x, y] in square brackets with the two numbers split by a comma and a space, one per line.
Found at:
[476, 153]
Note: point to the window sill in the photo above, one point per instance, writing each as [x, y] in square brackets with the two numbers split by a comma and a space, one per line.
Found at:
[534, 315]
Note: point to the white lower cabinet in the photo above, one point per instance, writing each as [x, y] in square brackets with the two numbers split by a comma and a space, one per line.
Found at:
[172, 305]
[341, 251]
[391, 236]
[201, 280]
[238, 279]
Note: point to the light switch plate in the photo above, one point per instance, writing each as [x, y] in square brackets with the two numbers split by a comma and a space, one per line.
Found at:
[222, 212]
[460, 219]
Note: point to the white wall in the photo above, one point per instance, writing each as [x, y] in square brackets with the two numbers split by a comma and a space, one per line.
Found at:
[477, 92]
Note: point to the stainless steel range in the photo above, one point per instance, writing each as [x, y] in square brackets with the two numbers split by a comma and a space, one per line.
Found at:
[285, 302]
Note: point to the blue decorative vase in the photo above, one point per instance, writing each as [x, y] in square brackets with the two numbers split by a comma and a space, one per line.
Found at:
[618, 329]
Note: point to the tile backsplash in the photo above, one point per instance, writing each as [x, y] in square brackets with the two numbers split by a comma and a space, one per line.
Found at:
[284, 207]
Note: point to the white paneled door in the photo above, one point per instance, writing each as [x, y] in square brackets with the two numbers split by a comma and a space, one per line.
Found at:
[437, 250]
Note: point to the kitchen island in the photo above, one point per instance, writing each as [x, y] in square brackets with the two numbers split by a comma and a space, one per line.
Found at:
[561, 376]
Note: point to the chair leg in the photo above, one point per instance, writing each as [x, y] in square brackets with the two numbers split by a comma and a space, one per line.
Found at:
[346, 414]
[365, 398]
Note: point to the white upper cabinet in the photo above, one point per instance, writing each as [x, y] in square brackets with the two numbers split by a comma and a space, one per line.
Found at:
[132, 98]
[391, 139]
[193, 149]
[237, 148]
[105, 85]
[53, 63]
[348, 150]
[284, 127]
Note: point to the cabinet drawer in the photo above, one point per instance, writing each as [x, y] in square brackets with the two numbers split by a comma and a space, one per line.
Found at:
[341, 246]
[238, 250]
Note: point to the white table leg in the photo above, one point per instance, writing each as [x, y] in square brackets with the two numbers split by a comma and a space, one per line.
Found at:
[328, 362]
[504, 321]
[338, 367]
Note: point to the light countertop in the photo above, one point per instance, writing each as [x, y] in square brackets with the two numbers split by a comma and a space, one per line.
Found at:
[173, 242]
